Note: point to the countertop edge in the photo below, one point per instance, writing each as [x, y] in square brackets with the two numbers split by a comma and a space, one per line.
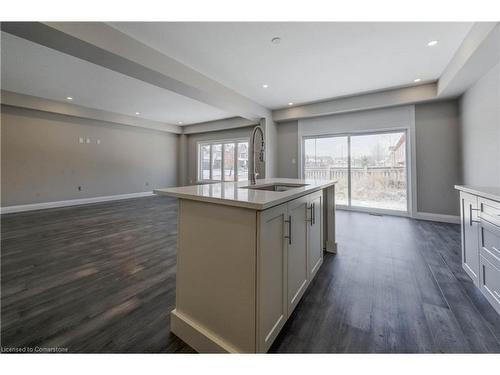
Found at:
[477, 191]
[225, 201]
[234, 203]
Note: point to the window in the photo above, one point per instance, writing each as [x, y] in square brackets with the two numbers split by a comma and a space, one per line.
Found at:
[242, 161]
[378, 171]
[229, 165]
[223, 160]
[326, 159]
[371, 169]
[216, 167]
[205, 162]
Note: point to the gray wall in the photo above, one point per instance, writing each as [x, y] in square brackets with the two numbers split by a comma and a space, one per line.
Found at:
[271, 135]
[438, 157]
[182, 157]
[193, 139]
[43, 161]
[288, 149]
[437, 149]
[480, 131]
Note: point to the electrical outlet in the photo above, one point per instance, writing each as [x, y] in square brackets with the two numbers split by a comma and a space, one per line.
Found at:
[98, 141]
[293, 161]
[88, 140]
[80, 140]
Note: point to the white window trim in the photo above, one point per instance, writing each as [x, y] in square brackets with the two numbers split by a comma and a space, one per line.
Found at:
[410, 167]
[222, 142]
[393, 118]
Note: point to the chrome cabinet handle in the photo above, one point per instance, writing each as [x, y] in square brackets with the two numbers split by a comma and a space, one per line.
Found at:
[311, 220]
[470, 215]
[289, 221]
[314, 213]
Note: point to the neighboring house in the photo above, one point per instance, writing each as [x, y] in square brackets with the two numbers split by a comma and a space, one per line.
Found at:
[397, 156]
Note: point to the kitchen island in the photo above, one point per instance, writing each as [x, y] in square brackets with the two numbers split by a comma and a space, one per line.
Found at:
[246, 255]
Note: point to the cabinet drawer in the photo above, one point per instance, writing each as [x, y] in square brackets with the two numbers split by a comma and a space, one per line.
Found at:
[489, 240]
[489, 210]
[490, 283]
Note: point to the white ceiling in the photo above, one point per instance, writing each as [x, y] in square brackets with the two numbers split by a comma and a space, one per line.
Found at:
[32, 69]
[314, 61]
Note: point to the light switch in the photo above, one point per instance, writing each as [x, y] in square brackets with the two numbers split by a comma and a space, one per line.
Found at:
[98, 141]
[293, 161]
[80, 139]
[88, 140]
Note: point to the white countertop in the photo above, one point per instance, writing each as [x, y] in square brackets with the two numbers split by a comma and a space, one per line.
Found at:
[233, 193]
[490, 192]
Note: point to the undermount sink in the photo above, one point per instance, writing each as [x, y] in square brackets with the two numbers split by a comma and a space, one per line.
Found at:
[275, 187]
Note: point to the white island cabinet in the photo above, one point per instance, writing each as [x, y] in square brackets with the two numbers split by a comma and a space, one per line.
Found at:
[288, 258]
[245, 258]
[480, 224]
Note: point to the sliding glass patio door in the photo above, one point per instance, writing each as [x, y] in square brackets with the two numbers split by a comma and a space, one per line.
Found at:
[327, 158]
[371, 168]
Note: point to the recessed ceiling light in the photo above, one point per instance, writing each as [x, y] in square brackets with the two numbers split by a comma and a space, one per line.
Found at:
[138, 113]
[180, 122]
[290, 103]
[432, 43]
[417, 80]
[69, 98]
[276, 40]
[265, 86]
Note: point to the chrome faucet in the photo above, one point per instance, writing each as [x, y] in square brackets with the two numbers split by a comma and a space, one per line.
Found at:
[254, 173]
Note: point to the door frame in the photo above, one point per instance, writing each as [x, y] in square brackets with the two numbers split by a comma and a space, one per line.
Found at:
[411, 175]
[209, 142]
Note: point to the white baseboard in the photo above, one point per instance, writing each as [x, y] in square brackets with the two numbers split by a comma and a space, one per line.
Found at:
[419, 215]
[438, 217]
[71, 202]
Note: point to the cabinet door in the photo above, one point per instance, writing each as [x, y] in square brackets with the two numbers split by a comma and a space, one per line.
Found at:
[489, 270]
[490, 283]
[314, 234]
[297, 251]
[470, 240]
[272, 275]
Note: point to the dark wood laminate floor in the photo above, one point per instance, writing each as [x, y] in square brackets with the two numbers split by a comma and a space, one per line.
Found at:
[101, 278]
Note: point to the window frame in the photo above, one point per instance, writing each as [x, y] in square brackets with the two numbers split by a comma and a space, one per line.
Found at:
[222, 142]
[409, 168]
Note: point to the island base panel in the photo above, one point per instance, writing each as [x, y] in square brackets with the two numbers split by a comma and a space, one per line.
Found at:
[215, 280]
[199, 338]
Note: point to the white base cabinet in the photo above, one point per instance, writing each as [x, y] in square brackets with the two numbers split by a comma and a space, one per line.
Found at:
[315, 234]
[480, 224]
[489, 257]
[290, 251]
[241, 272]
[272, 275]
